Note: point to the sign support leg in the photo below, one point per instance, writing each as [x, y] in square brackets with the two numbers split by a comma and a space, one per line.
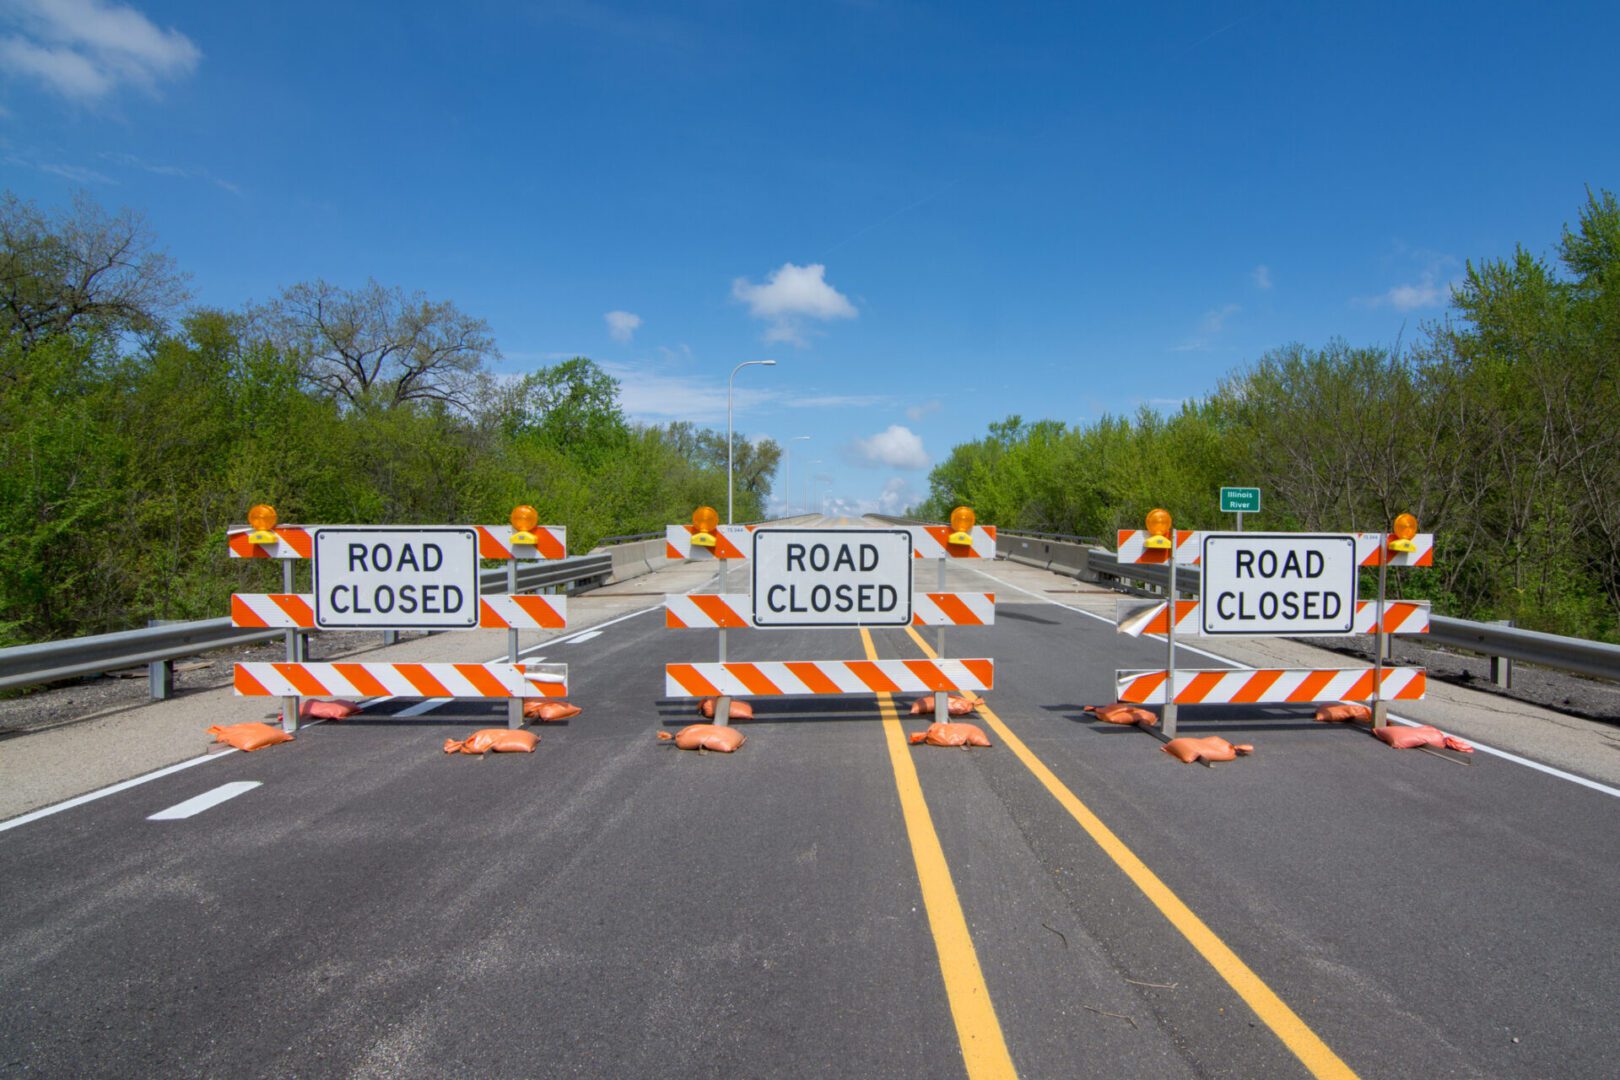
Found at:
[1380, 643]
[514, 706]
[1169, 715]
[942, 705]
[722, 707]
[1240, 521]
[289, 705]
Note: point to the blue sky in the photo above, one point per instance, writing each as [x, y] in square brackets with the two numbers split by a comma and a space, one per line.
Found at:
[931, 216]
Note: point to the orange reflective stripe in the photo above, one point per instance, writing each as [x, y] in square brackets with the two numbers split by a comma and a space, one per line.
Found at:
[869, 673]
[752, 678]
[718, 611]
[296, 607]
[983, 670]
[247, 684]
[1362, 688]
[692, 682]
[1142, 687]
[491, 548]
[930, 674]
[673, 621]
[1415, 689]
[1310, 688]
[484, 679]
[1198, 687]
[302, 681]
[955, 610]
[1255, 687]
[242, 615]
[810, 673]
[417, 675]
[364, 682]
[672, 552]
[541, 612]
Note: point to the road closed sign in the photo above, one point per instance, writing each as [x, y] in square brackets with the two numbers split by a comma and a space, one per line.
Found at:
[832, 577]
[396, 578]
[1276, 584]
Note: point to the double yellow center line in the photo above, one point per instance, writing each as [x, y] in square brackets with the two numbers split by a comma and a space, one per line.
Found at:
[984, 1050]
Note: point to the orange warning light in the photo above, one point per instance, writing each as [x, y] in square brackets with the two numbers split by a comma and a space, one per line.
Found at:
[1406, 527]
[1158, 528]
[706, 519]
[262, 516]
[523, 519]
[962, 520]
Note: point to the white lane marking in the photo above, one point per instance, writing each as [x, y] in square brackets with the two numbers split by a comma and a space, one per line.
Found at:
[198, 803]
[125, 785]
[1493, 751]
[113, 789]
[586, 636]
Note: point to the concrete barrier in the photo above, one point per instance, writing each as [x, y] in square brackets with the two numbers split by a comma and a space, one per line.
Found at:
[1059, 556]
[644, 556]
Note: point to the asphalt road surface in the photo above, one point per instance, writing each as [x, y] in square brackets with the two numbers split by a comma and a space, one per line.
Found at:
[828, 901]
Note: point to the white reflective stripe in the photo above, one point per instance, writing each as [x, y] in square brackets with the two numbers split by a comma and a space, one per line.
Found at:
[679, 541]
[1369, 544]
[1266, 685]
[197, 804]
[1132, 547]
[1138, 617]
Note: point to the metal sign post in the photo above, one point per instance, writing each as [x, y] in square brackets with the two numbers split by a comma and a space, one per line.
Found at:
[1380, 707]
[722, 707]
[1169, 718]
[289, 706]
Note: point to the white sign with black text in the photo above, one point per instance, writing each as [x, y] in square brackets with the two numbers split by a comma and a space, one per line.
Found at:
[832, 577]
[396, 578]
[1277, 584]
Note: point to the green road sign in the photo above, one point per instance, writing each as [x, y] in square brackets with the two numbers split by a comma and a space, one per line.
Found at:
[1236, 500]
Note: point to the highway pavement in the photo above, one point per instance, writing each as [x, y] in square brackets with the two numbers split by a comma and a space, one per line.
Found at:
[828, 901]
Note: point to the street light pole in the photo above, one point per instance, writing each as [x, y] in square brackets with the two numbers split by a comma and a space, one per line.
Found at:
[729, 484]
[809, 481]
[787, 482]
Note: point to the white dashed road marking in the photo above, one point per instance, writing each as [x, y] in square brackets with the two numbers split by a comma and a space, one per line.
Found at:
[197, 804]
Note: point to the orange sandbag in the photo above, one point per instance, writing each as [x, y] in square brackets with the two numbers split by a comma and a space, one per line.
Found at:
[706, 737]
[963, 735]
[548, 711]
[1210, 748]
[740, 710]
[497, 740]
[955, 705]
[1123, 714]
[1409, 738]
[312, 708]
[1344, 714]
[254, 736]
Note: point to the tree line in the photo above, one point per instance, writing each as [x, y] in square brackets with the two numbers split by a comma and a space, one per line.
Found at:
[135, 429]
[1499, 427]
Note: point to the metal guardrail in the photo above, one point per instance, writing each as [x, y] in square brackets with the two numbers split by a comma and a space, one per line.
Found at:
[52, 661]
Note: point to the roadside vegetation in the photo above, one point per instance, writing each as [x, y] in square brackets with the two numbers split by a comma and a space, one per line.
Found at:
[1499, 427]
[135, 429]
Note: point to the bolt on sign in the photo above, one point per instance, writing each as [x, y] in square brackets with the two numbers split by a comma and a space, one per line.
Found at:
[832, 577]
[1278, 583]
[397, 578]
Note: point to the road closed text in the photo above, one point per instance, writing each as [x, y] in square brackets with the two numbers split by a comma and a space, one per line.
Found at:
[396, 578]
[1261, 583]
[828, 577]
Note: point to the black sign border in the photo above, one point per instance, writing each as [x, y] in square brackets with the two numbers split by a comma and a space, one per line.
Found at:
[1203, 594]
[437, 530]
[911, 586]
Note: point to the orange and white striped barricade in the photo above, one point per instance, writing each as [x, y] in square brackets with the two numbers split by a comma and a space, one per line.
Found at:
[1131, 547]
[1138, 617]
[1373, 550]
[495, 680]
[732, 611]
[730, 542]
[781, 677]
[393, 578]
[503, 611]
[1271, 685]
[822, 577]
[933, 542]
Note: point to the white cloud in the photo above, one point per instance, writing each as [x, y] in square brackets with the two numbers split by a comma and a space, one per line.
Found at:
[895, 497]
[1261, 275]
[896, 447]
[1432, 288]
[83, 49]
[917, 412]
[790, 296]
[1210, 324]
[621, 325]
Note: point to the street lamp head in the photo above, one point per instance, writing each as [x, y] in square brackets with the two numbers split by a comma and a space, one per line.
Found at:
[768, 363]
